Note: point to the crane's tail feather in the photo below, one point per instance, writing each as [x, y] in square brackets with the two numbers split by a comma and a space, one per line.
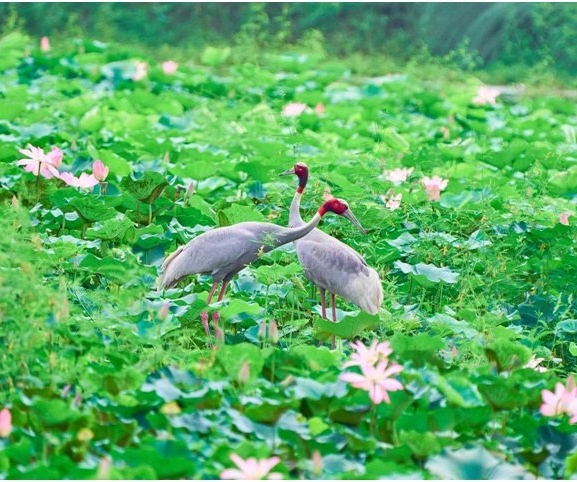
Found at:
[371, 298]
[167, 278]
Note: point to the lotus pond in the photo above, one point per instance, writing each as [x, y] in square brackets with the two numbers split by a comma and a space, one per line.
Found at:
[468, 193]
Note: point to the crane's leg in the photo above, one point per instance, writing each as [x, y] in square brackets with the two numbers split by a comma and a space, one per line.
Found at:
[222, 290]
[324, 311]
[323, 303]
[334, 306]
[204, 314]
[218, 333]
[216, 314]
[211, 292]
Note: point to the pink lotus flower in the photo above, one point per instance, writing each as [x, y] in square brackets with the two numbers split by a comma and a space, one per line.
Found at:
[39, 163]
[294, 109]
[564, 218]
[140, 72]
[376, 353]
[454, 351]
[486, 95]
[85, 181]
[434, 185]
[5, 422]
[535, 363]
[391, 200]
[45, 44]
[399, 175]
[99, 170]
[562, 401]
[377, 380]
[169, 67]
[394, 202]
[252, 469]
[327, 194]
[54, 157]
[319, 109]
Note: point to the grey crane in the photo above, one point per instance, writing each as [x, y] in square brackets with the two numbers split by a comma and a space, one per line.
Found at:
[223, 252]
[330, 264]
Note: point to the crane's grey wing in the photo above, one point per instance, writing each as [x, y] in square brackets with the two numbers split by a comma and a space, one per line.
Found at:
[318, 248]
[221, 252]
[203, 254]
[339, 269]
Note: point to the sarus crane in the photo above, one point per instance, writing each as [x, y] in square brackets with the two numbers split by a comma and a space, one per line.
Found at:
[330, 264]
[223, 252]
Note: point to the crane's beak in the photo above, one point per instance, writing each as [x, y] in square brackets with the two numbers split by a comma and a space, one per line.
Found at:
[352, 218]
[287, 172]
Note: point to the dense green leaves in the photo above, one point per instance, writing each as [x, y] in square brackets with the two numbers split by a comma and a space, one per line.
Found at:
[474, 464]
[108, 377]
[424, 273]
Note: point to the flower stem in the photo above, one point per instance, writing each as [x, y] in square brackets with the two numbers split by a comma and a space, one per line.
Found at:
[38, 183]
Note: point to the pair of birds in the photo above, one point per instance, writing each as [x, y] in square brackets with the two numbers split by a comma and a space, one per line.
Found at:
[328, 263]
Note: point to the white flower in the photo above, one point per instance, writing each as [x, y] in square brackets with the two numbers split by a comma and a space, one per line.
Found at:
[486, 95]
[294, 109]
[399, 175]
[251, 469]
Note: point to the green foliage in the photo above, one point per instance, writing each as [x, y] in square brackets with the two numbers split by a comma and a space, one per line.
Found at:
[106, 377]
[542, 29]
[474, 463]
[513, 40]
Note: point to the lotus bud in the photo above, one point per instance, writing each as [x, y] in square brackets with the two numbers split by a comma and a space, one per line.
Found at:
[169, 67]
[5, 423]
[244, 373]
[163, 311]
[317, 463]
[99, 170]
[45, 44]
[273, 332]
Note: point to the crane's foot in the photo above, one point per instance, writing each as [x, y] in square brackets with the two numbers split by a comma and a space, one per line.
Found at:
[218, 333]
[204, 319]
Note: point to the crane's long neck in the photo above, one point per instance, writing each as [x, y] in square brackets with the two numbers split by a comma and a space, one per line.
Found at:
[295, 218]
[291, 234]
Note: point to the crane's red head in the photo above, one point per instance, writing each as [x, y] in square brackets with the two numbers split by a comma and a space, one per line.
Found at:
[340, 207]
[302, 172]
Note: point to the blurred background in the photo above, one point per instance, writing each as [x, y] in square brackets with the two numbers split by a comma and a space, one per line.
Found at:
[511, 40]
